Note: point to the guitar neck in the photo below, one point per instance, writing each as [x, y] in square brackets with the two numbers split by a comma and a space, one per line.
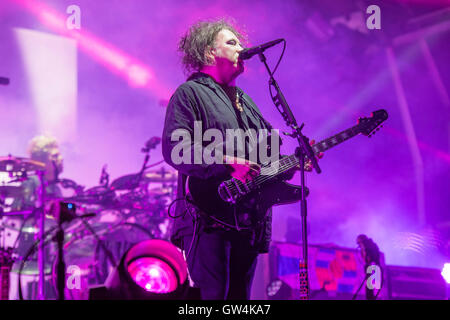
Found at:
[289, 162]
[333, 141]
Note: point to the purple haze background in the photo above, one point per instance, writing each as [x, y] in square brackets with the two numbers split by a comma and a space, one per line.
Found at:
[367, 185]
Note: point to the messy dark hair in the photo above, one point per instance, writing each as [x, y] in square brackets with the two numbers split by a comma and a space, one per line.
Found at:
[198, 38]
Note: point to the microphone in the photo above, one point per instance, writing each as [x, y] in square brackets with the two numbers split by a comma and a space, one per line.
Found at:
[151, 144]
[250, 52]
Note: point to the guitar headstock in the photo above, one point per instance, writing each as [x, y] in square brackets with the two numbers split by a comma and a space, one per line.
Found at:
[368, 126]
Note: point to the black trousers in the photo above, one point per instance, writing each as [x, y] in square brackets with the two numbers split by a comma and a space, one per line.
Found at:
[221, 264]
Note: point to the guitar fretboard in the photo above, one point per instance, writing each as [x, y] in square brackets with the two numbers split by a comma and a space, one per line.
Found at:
[289, 162]
[332, 141]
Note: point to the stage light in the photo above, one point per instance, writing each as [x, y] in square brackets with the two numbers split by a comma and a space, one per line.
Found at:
[446, 272]
[150, 270]
[153, 275]
[278, 290]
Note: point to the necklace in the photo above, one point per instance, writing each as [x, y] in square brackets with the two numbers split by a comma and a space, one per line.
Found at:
[230, 92]
[238, 103]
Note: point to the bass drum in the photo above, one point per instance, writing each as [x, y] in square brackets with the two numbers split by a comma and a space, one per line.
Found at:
[21, 233]
[89, 260]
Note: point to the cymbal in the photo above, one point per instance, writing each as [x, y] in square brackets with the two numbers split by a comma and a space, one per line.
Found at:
[127, 182]
[94, 195]
[17, 164]
[130, 181]
[160, 192]
[161, 175]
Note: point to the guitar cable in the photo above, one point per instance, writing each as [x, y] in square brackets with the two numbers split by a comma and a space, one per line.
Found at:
[190, 204]
[194, 237]
[195, 214]
[223, 223]
[170, 207]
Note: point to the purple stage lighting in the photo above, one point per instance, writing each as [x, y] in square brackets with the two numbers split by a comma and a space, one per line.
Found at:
[153, 275]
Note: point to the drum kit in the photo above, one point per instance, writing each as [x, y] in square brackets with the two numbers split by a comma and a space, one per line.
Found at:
[109, 219]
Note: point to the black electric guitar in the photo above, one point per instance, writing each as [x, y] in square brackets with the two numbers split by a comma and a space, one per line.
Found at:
[242, 205]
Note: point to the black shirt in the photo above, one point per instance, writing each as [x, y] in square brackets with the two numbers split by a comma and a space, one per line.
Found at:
[203, 99]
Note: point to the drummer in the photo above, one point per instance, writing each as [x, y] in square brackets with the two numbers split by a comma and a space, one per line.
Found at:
[22, 228]
[45, 149]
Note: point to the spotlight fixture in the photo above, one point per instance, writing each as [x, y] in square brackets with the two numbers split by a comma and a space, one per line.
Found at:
[278, 290]
[150, 270]
[446, 272]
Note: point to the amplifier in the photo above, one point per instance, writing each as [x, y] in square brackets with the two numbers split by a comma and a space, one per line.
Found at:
[412, 283]
[335, 273]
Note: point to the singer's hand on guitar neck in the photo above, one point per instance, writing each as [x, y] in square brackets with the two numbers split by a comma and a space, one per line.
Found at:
[243, 170]
[308, 163]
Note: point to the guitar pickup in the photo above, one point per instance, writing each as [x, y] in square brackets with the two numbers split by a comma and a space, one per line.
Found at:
[241, 187]
[225, 193]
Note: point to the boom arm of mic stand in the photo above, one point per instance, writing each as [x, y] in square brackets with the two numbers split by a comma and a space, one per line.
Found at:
[289, 118]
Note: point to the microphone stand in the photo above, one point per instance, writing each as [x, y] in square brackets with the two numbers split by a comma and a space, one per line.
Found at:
[41, 252]
[303, 151]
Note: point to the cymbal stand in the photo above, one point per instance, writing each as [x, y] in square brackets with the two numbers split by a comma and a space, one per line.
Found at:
[40, 215]
[150, 144]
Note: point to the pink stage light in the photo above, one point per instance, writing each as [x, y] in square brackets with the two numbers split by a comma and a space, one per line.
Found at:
[446, 272]
[150, 270]
[136, 73]
[153, 275]
[138, 76]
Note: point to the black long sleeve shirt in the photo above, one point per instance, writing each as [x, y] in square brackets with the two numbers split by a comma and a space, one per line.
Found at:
[202, 99]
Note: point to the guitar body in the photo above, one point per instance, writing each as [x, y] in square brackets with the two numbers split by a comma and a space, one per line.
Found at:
[250, 209]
